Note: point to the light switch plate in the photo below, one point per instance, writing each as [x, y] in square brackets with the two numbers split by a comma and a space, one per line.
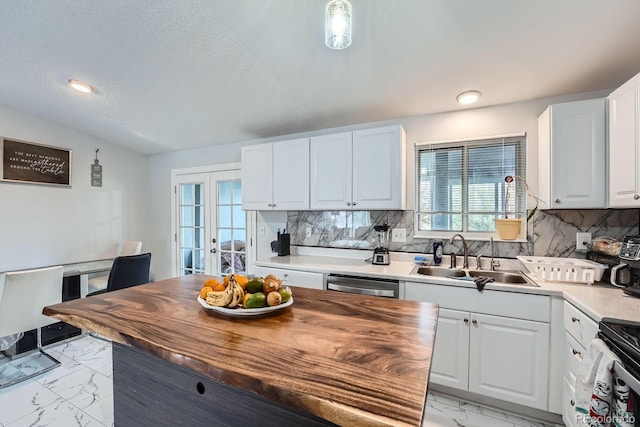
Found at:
[399, 235]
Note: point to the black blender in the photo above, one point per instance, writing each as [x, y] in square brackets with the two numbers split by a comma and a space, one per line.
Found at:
[381, 252]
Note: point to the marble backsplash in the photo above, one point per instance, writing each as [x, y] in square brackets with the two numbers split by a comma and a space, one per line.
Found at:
[550, 233]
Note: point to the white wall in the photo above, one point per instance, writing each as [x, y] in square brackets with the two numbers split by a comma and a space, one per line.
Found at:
[45, 225]
[470, 123]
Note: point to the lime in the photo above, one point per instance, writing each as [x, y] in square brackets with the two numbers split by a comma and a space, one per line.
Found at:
[255, 285]
[285, 293]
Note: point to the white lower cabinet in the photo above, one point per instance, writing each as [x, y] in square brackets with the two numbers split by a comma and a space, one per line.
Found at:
[509, 359]
[580, 329]
[450, 365]
[482, 350]
[303, 279]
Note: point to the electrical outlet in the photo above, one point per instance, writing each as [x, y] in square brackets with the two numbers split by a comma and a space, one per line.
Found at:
[399, 235]
[583, 240]
[308, 232]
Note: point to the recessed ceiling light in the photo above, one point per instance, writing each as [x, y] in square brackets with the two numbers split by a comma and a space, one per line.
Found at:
[80, 86]
[468, 97]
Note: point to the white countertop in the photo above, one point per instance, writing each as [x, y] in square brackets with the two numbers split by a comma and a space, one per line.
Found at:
[597, 301]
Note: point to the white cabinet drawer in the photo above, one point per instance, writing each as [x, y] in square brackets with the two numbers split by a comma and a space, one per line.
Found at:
[568, 404]
[574, 356]
[304, 279]
[579, 325]
[507, 304]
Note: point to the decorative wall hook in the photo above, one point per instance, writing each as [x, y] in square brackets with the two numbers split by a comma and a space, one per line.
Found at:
[96, 172]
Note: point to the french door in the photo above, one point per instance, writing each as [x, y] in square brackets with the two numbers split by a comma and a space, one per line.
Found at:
[211, 229]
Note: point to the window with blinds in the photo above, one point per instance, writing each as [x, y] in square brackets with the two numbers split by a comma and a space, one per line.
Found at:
[461, 186]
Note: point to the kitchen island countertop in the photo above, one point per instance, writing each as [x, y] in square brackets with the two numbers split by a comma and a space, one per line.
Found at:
[347, 359]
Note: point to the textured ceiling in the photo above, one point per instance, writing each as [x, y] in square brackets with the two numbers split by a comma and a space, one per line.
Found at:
[173, 75]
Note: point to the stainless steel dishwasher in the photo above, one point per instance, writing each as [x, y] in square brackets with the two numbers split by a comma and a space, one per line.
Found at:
[363, 285]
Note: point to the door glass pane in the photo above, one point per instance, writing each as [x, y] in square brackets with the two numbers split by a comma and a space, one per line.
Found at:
[239, 218]
[237, 200]
[232, 224]
[187, 237]
[224, 216]
[225, 193]
[191, 228]
[224, 238]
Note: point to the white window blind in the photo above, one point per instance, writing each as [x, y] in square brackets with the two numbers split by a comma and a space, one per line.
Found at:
[461, 186]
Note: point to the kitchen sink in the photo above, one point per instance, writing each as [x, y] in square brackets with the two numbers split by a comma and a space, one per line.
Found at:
[513, 278]
[505, 277]
[440, 272]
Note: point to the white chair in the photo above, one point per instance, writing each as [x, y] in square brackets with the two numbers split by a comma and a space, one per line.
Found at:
[130, 247]
[23, 295]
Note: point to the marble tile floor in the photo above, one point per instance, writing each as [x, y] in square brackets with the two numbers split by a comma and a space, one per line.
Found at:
[80, 393]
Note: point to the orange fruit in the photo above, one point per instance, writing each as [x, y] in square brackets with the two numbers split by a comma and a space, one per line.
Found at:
[219, 287]
[226, 280]
[203, 292]
[212, 283]
[242, 281]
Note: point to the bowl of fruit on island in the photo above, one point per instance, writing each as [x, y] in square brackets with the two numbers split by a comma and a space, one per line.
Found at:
[239, 295]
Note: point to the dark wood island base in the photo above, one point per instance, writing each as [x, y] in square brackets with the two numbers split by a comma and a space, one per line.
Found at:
[149, 391]
[329, 359]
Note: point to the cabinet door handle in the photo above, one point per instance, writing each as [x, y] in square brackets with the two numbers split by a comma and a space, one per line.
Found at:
[475, 322]
[213, 250]
[636, 197]
[575, 352]
[354, 203]
[273, 205]
[573, 403]
[575, 319]
[269, 205]
[348, 203]
[466, 321]
[558, 201]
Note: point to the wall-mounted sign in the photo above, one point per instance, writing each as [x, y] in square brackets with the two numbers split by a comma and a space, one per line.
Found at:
[96, 172]
[34, 163]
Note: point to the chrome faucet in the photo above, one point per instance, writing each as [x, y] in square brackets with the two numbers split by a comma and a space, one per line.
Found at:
[479, 262]
[465, 249]
[494, 263]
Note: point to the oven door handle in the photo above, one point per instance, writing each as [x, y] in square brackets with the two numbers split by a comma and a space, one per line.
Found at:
[633, 383]
[361, 291]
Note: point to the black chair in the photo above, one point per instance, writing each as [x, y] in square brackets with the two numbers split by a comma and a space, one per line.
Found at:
[127, 271]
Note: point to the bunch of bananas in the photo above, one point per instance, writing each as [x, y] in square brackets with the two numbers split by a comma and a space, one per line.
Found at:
[230, 297]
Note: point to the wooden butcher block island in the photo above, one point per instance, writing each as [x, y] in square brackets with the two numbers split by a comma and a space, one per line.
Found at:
[328, 359]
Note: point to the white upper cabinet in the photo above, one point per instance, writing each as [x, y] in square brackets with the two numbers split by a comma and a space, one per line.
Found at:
[257, 182]
[572, 155]
[379, 163]
[331, 172]
[275, 176]
[361, 170]
[624, 145]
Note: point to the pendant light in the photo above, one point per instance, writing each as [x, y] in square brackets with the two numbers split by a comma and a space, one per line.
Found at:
[337, 24]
